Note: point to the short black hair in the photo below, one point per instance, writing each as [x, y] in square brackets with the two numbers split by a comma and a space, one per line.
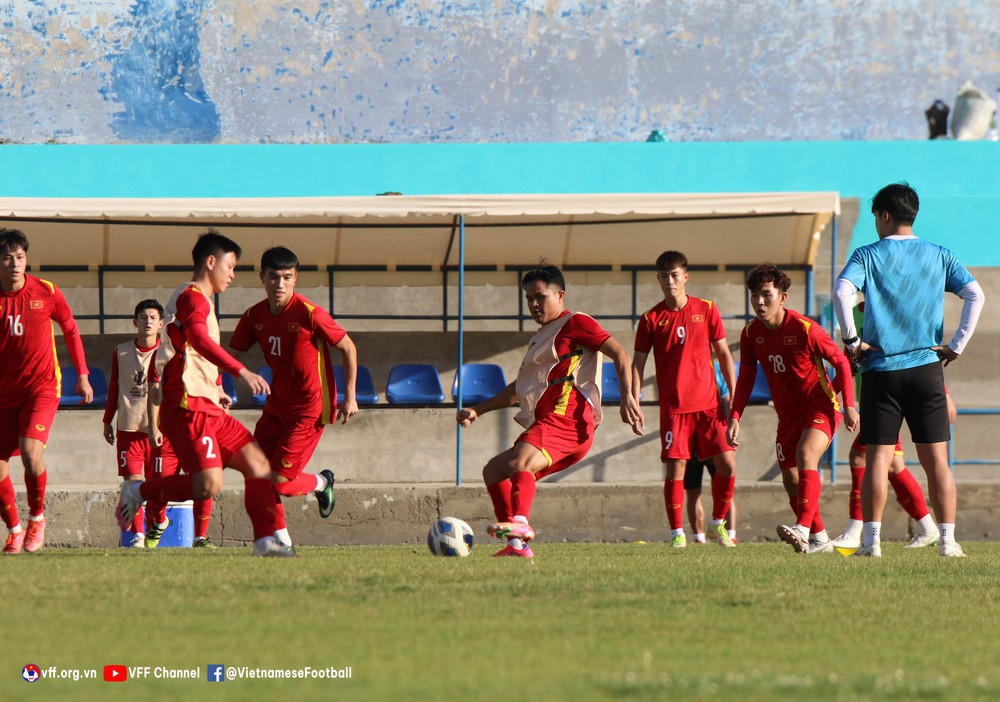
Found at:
[279, 258]
[211, 243]
[899, 200]
[12, 239]
[548, 274]
[149, 304]
[669, 260]
[768, 273]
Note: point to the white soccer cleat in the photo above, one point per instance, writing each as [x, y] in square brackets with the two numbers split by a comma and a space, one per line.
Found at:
[794, 537]
[816, 546]
[272, 548]
[920, 540]
[847, 540]
[129, 502]
[952, 551]
[873, 551]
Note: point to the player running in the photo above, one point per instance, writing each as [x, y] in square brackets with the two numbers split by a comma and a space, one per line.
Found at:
[204, 436]
[558, 390]
[682, 332]
[30, 383]
[296, 335]
[791, 349]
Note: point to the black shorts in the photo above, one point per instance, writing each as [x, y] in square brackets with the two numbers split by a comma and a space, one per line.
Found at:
[914, 394]
[694, 472]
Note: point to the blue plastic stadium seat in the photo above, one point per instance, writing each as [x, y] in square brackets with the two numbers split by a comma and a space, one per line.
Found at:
[480, 381]
[98, 382]
[611, 389]
[414, 384]
[229, 385]
[265, 373]
[761, 392]
[364, 386]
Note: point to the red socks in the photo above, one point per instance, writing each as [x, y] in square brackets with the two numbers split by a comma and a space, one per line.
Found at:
[673, 498]
[202, 514]
[500, 495]
[173, 488]
[723, 487]
[909, 494]
[279, 514]
[808, 500]
[261, 502]
[854, 506]
[8, 503]
[522, 493]
[302, 484]
[35, 487]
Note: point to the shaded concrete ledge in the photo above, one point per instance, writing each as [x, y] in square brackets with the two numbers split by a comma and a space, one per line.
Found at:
[395, 514]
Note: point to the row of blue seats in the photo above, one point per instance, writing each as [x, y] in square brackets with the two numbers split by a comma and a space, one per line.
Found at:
[409, 384]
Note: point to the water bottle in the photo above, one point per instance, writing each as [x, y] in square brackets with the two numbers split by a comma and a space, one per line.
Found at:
[994, 130]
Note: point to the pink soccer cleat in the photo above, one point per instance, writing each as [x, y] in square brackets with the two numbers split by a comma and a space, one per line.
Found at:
[35, 537]
[14, 543]
[510, 530]
[515, 552]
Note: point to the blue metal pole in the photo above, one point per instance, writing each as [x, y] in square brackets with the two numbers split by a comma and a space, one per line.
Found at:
[461, 341]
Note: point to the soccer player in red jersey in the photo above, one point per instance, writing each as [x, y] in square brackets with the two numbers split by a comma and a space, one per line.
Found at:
[192, 416]
[141, 451]
[296, 335]
[30, 382]
[558, 390]
[682, 331]
[791, 349]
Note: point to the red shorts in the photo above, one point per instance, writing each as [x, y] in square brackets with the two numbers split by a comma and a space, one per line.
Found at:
[30, 420]
[164, 461]
[859, 447]
[202, 441]
[134, 455]
[790, 432]
[288, 442]
[562, 440]
[701, 434]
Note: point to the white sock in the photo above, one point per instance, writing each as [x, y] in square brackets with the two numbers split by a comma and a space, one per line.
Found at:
[732, 533]
[820, 536]
[947, 533]
[282, 536]
[321, 483]
[717, 522]
[699, 538]
[927, 525]
[677, 532]
[16, 529]
[519, 518]
[33, 518]
[854, 528]
[164, 524]
[871, 534]
[515, 543]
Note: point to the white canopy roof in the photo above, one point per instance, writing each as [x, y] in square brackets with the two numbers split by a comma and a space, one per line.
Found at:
[724, 229]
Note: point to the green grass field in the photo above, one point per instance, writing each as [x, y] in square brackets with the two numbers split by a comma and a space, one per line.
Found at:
[580, 622]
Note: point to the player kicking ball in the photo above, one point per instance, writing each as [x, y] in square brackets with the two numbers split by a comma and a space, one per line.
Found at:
[791, 349]
[205, 437]
[30, 383]
[682, 331]
[296, 336]
[558, 391]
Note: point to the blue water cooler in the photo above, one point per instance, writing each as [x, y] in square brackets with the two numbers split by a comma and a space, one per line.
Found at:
[180, 533]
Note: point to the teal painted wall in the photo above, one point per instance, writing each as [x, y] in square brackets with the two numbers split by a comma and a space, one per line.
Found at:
[959, 182]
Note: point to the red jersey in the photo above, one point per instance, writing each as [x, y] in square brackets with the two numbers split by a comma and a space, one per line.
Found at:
[29, 366]
[792, 358]
[190, 355]
[296, 345]
[561, 396]
[681, 341]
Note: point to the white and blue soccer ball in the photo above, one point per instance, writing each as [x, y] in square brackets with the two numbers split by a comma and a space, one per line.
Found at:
[450, 536]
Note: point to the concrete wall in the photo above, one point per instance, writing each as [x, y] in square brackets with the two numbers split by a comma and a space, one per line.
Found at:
[197, 71]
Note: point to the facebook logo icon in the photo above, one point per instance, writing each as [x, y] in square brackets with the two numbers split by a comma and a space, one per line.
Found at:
[216, 673]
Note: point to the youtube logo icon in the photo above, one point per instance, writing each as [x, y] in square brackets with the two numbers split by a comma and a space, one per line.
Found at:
[115, 673]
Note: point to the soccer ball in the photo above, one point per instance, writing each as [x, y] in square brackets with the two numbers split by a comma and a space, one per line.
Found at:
[450, 536]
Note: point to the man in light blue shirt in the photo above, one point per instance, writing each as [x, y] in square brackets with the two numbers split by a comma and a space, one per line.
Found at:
[901, 356]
